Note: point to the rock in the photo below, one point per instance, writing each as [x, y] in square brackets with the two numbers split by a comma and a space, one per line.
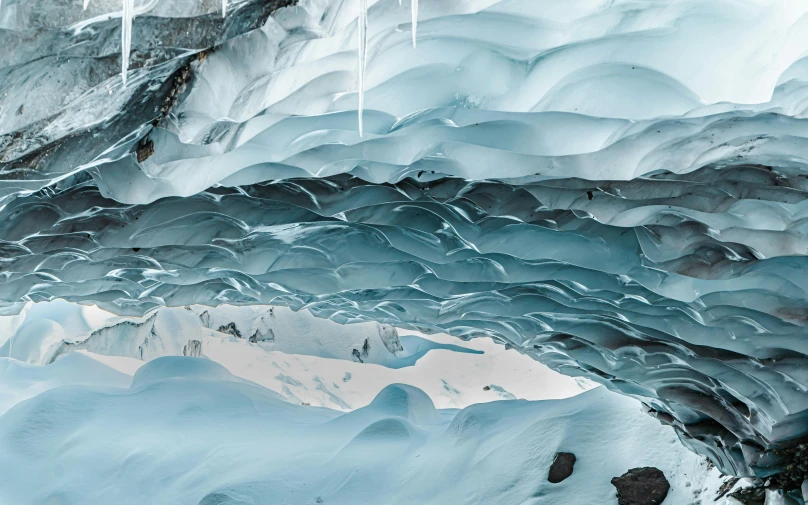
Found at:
[193, 348]
[726, 487]
[641, 486]
[561, 468]
[263, 336]
[205, 319]
[750, 495]
[145, 150]
[230, 328]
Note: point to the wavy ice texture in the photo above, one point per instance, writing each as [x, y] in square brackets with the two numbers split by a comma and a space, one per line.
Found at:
[615, 188]
[62, 104]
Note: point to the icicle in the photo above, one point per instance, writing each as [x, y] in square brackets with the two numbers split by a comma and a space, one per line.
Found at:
[224, 8]
[126, 36]
[86, 3]
[363, 48]
[414, 21]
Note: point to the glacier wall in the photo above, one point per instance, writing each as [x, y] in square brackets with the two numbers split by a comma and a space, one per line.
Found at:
[615, 188]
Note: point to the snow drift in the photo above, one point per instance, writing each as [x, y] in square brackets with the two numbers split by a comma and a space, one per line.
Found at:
[197, 435]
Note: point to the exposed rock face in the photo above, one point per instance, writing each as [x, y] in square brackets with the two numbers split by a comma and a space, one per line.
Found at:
[230, 329]
[260, 335]
[641, 486]
[561, 468]
[193, 348]
[726, 487]
[750, 496]
[127, 338]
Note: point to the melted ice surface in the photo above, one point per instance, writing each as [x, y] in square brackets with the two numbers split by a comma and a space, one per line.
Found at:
[673, 86]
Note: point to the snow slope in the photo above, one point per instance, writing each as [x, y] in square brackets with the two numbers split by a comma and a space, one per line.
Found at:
[188, 432]
[308, 360]
[451, 375]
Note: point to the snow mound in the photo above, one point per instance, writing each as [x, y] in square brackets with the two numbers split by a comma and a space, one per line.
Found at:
[173, 367]
[407, 402]
[34, 342]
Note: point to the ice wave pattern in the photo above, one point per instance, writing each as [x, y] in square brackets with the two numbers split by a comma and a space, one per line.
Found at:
[616, 188]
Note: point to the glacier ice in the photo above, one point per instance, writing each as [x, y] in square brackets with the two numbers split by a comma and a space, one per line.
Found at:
[362, 31]
[615, 188]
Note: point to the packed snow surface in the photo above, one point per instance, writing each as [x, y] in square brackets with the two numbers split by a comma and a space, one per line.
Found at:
[185, 431]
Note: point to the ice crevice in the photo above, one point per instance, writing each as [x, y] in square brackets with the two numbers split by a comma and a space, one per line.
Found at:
[617, 189]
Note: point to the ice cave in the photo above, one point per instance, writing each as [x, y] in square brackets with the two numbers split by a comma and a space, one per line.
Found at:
[403, 252]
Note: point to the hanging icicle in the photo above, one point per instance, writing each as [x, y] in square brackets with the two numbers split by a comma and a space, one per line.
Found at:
[126, 36]
[414, 21]
[363, 48]
[224, 8]
[86, 3]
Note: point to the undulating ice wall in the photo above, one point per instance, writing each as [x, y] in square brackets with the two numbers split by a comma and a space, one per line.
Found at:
[616, 188]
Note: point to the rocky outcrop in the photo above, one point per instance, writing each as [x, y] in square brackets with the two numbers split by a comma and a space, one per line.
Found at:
[132, 339]
[561, 468]
[641, 486]
[230, 329]
[263, 335]
[750, 495]
[193, 349]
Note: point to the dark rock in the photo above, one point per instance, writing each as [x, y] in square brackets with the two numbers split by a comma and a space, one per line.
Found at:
[192, 348]
[145, 149]
[750, 495]
[794, 468]
[726, 487]
[231, 329]
[561, 468]
[259, 336]
[641, 486]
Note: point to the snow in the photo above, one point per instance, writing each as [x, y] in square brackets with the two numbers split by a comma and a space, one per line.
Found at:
[188, 432]
[307, 360]
[451, 375]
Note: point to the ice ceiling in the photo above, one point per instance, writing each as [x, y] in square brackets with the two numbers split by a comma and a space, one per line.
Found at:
[615, 188]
